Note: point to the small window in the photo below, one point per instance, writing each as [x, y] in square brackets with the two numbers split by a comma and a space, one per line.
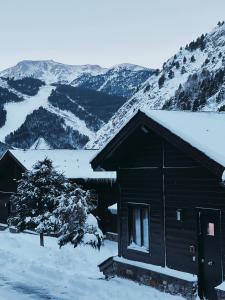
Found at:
[210, 229]
[139, 228]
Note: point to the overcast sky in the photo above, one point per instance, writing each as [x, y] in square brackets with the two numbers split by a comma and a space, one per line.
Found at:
[104, 32]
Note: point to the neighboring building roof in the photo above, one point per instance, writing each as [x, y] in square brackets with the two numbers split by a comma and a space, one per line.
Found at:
[75, 164]
[113, 209]
[199, 131]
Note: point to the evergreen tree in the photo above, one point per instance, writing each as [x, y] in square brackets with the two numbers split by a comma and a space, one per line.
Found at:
[161, 80]
[184, 60]
[206, 61]
[177, 65]
[193, 58]
[183, 70]
[171, 74]
[48, 203]
[156, 72]
[35, 200]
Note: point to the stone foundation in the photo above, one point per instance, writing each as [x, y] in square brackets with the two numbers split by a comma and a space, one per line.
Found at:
[220, 294]
[163, 282]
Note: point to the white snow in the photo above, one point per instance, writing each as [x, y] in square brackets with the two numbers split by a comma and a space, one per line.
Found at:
[162, 270]
[50, 71]
[136, 247]
[40, 144]
[72, 120]
[202, 130]
[18, 111]
[221, 286]
[29, 271]
[113, 209]
[73, 163]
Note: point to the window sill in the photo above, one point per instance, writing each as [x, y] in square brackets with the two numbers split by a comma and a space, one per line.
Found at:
[138, 248]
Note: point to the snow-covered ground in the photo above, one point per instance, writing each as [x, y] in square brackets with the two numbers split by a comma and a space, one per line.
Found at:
[28, 271]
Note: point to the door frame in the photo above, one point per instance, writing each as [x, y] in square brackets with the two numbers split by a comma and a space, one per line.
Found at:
[198, 210]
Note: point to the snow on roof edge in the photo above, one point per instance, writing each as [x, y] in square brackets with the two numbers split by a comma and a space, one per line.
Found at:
[75, 164]
[220, 159]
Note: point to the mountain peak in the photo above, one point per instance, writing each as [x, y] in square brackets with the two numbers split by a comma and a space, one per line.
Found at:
[50, 71]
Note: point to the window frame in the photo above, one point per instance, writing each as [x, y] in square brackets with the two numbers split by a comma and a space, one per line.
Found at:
[131, 226]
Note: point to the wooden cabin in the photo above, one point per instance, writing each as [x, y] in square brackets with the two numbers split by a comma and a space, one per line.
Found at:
[171, 209]
[75, 164]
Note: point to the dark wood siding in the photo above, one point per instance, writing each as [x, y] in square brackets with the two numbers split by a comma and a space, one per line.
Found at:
[142, 149]
[108, 194]
[10, 172]
[4, 207]
[149, 165]
[143, 186]
[173, 157]
[188, 189]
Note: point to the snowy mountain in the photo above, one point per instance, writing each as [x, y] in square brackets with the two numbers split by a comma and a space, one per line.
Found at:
[41, 100]
[121, 80]
[50, 71]
[40, 144]
[193, 79]
[3, 148]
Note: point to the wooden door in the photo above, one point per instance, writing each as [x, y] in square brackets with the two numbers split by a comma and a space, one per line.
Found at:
[209, 251]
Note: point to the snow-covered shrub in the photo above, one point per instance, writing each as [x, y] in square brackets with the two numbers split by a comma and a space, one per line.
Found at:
[77, 224]
[92, 235]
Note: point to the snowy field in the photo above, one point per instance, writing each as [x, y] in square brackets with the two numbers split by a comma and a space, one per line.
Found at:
[28, 271]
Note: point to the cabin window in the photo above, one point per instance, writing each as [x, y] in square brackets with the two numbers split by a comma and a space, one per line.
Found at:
[139, 228]
[210, 229]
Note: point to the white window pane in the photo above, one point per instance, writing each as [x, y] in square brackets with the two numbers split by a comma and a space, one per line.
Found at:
[145, 228]
[210, 229]
[137, 217]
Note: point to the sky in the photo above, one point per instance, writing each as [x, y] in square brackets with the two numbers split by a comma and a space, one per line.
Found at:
[103, 32]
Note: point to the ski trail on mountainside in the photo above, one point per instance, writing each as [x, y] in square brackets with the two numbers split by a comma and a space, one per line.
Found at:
[18, 111]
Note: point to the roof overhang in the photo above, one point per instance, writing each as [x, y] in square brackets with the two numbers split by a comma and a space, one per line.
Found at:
[141, 119]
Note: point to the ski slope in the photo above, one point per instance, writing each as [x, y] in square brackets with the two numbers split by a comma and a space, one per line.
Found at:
[18, 111]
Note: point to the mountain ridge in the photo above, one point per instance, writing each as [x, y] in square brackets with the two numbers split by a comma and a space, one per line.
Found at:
[41, 93]
[192, 79]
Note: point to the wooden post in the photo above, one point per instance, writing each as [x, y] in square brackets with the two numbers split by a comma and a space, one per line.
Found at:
[41, 239]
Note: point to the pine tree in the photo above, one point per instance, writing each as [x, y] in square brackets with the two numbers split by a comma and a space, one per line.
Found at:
[34, 202]
[161, 80]
[48, 203]
[184, 60]
[177, 64]
[183, 70]
[193, 58]
[171, 74]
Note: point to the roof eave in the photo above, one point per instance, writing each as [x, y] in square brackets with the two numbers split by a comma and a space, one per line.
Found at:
[139, 118]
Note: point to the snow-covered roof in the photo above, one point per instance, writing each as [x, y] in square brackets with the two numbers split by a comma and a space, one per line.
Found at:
[113, 209]
[73, 163]
[203, 130]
